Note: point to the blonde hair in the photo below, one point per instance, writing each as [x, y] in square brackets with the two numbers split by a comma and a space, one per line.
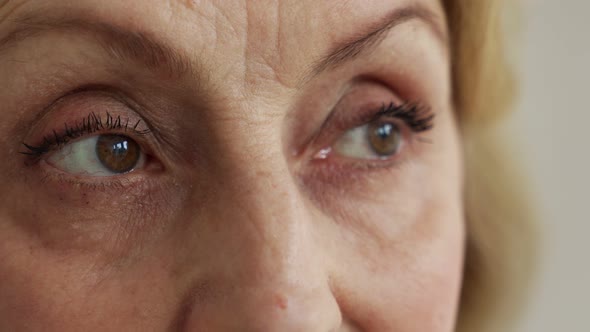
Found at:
[500, 239]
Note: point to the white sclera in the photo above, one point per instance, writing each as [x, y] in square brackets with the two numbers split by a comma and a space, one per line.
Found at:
[80, 158]
[355, 144]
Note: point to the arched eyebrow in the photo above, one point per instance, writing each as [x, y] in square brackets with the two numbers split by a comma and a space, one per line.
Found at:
[118, 42]
[141, 47]
[368, 39]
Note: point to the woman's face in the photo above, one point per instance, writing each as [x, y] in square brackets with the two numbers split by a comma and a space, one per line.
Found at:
[228, 166]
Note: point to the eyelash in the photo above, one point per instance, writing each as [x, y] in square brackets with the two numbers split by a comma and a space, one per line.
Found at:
[91, 124]
[418, 118]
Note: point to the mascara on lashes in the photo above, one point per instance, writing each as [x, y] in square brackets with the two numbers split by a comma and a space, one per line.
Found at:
[418, 118]
[91, 124]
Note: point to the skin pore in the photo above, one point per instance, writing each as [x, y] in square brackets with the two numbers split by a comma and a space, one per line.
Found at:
[248, 212]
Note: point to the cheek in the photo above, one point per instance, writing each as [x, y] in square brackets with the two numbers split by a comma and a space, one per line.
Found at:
[408, 279]
[37, 287]
[66, 217]
[42, 290]
[65, 270]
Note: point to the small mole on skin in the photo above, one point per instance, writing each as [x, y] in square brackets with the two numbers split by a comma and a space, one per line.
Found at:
[190, 4]
[281, 301]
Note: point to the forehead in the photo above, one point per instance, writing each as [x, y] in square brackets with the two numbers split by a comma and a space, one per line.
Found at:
[273, 39]
[254, 19]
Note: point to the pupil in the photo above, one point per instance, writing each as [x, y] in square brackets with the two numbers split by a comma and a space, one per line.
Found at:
[384, 138]
[119, 154]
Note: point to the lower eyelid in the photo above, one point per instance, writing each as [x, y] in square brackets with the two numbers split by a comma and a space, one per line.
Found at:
[72, 183]
[352, 177]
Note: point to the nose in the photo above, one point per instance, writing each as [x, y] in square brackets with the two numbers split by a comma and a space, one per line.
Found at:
[267, 270]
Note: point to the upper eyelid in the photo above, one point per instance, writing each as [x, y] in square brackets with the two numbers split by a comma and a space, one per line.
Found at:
[87, 126]
[95, 124]
[90, 90]
[90, 96]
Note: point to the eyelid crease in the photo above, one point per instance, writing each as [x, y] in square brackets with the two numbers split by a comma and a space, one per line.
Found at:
[95, 89]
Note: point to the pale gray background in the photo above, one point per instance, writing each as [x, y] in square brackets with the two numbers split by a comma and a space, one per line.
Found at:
[553, 119]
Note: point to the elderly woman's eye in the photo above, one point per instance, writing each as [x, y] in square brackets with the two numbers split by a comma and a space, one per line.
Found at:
[376, 140]
[103, 155]
[384, 135]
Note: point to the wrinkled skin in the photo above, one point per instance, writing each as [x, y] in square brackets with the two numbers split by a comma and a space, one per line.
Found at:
[233, 223]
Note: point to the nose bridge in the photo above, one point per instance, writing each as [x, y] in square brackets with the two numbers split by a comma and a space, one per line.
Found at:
[269, 273]
[257, 185]
[269, 215]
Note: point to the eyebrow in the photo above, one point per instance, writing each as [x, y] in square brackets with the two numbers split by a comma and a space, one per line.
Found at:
[368, 40]
[142, 48]
[119, 43]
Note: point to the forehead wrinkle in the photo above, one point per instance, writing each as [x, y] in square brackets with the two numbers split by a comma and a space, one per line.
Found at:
[261, 41]
[276, 49]
[4, 4]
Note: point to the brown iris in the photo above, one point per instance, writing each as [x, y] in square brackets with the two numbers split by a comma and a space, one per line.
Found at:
[384, 138]
[119, 154]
